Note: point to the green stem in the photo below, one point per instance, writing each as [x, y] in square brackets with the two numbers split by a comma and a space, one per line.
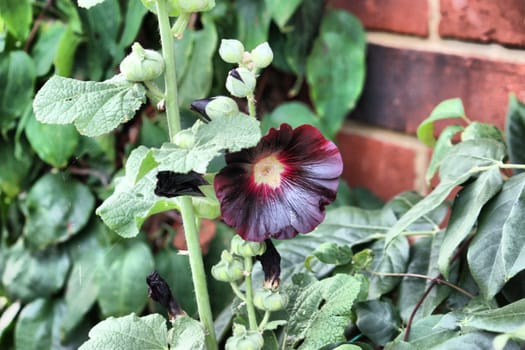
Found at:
[186, 207]
[237, 291]
[251, 105]
[248, 266]
[264, 321]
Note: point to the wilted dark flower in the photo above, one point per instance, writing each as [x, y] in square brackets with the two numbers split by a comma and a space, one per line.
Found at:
[171, 184]
[271, 265]
[280, 187]
[159, 290]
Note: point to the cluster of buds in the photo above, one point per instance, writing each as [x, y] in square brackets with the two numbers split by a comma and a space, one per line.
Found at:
[244, 339]
[241, 80]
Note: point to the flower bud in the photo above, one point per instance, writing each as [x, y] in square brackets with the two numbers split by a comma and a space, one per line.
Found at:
[262, 55]
[229, 269]
[184, 139]
[268, 300]
[142, 64]
[246, 249]
[231, 50]
[210, 108]
[196, 5]
[243, 339]
[240, 82]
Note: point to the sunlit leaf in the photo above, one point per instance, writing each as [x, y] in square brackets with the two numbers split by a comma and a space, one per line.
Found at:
[448, 109]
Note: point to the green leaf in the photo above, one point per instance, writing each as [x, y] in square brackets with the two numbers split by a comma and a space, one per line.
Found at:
[54, 144]
[392, 259]
[129, 333]
[448, 109]
[135, 12]
[301, 31]
[293, 113]
[441, 148]
[17, 79]
[13, 169]
[38, 327]
[56, 208]
[122, 280]
[505, 319]
[231, 133]
[501, 340]
[497, 252]
[515, 131]
[423, 261]
[335, 68]
[8, 316]
[477, 130]
[465, 211]
[17, 16]
[30, 275]
[330, 253]
[282, 11]
[65, 52]
[377, 320]
[471, 341]
[195, 82]
[425, 334]
[461, 162]
[82, 287]
[320, 312]
[89, 3]
[70, 11]
[186, 334]
[253, 22]
[95, 108]
[45, 48]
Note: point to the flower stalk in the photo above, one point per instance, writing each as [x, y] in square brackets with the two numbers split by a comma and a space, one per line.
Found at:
[186, 206]
[248, 266]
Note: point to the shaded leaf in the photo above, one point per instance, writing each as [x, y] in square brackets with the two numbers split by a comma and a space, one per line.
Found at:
[94, 107]
[330, 253]
[17, 16]
[253, 22]
[390, 259]
[8, 316]
[515, 131]
[13, 169]
[335, 68]
[472, 341]
[320, 311]
[281, 11]
[465, 211]
[129, 333]
[425, 334]
[293, 113]
[45, 48]
[186, 334]
[497, 252]
[477, 130]
[441, 148]
[448, 109]
[508, 318]
[56, 208]
[121, 280]
[65, 52]
[377, 320]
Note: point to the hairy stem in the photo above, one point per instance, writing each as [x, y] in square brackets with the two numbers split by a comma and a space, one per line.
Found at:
[248, 266]
[186, 207]
[251, 105]
[237, 291]
[264, 321]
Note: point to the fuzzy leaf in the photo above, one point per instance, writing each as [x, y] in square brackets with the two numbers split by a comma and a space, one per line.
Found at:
[335, 68]
[330, 253]
[497, 252]
[121, 281]
[448, 109]
[129, 333]
[477, 130]
[321, 311]
[515, 131]
[95, 108]
[465, 211]
[187, 334]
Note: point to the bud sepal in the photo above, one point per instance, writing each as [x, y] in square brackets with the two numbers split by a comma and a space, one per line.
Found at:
[246, 249]
[142, 64]
[268, 300]
[228, 269]
[243, 339]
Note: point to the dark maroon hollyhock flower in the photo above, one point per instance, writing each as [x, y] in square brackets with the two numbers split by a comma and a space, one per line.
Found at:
[280, 187]
[171, 184]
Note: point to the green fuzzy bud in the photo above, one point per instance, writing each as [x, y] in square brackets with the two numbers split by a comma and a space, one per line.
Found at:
[231, 50]
[240, 82]
[268, 300]
[243, 339]
[246, 249]
[196, 5]
[262, 55]
[222, 106]
[142, 64]
[229, 269]
[184, 139]
[173, 7]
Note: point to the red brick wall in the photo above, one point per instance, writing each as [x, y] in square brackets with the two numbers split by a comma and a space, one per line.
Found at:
[421, 52]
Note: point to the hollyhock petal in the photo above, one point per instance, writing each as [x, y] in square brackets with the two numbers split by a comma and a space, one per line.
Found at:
[280, 187]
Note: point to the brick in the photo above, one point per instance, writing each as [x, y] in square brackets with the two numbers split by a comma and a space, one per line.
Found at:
[373, 161]
[400, 16]
[403, 86]
[484, 21]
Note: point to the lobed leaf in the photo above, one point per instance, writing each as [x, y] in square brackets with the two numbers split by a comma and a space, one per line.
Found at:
[95, 108]
[448, 109]
[129, 333]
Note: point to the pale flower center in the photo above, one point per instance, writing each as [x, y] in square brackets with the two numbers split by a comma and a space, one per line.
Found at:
[268, 171]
